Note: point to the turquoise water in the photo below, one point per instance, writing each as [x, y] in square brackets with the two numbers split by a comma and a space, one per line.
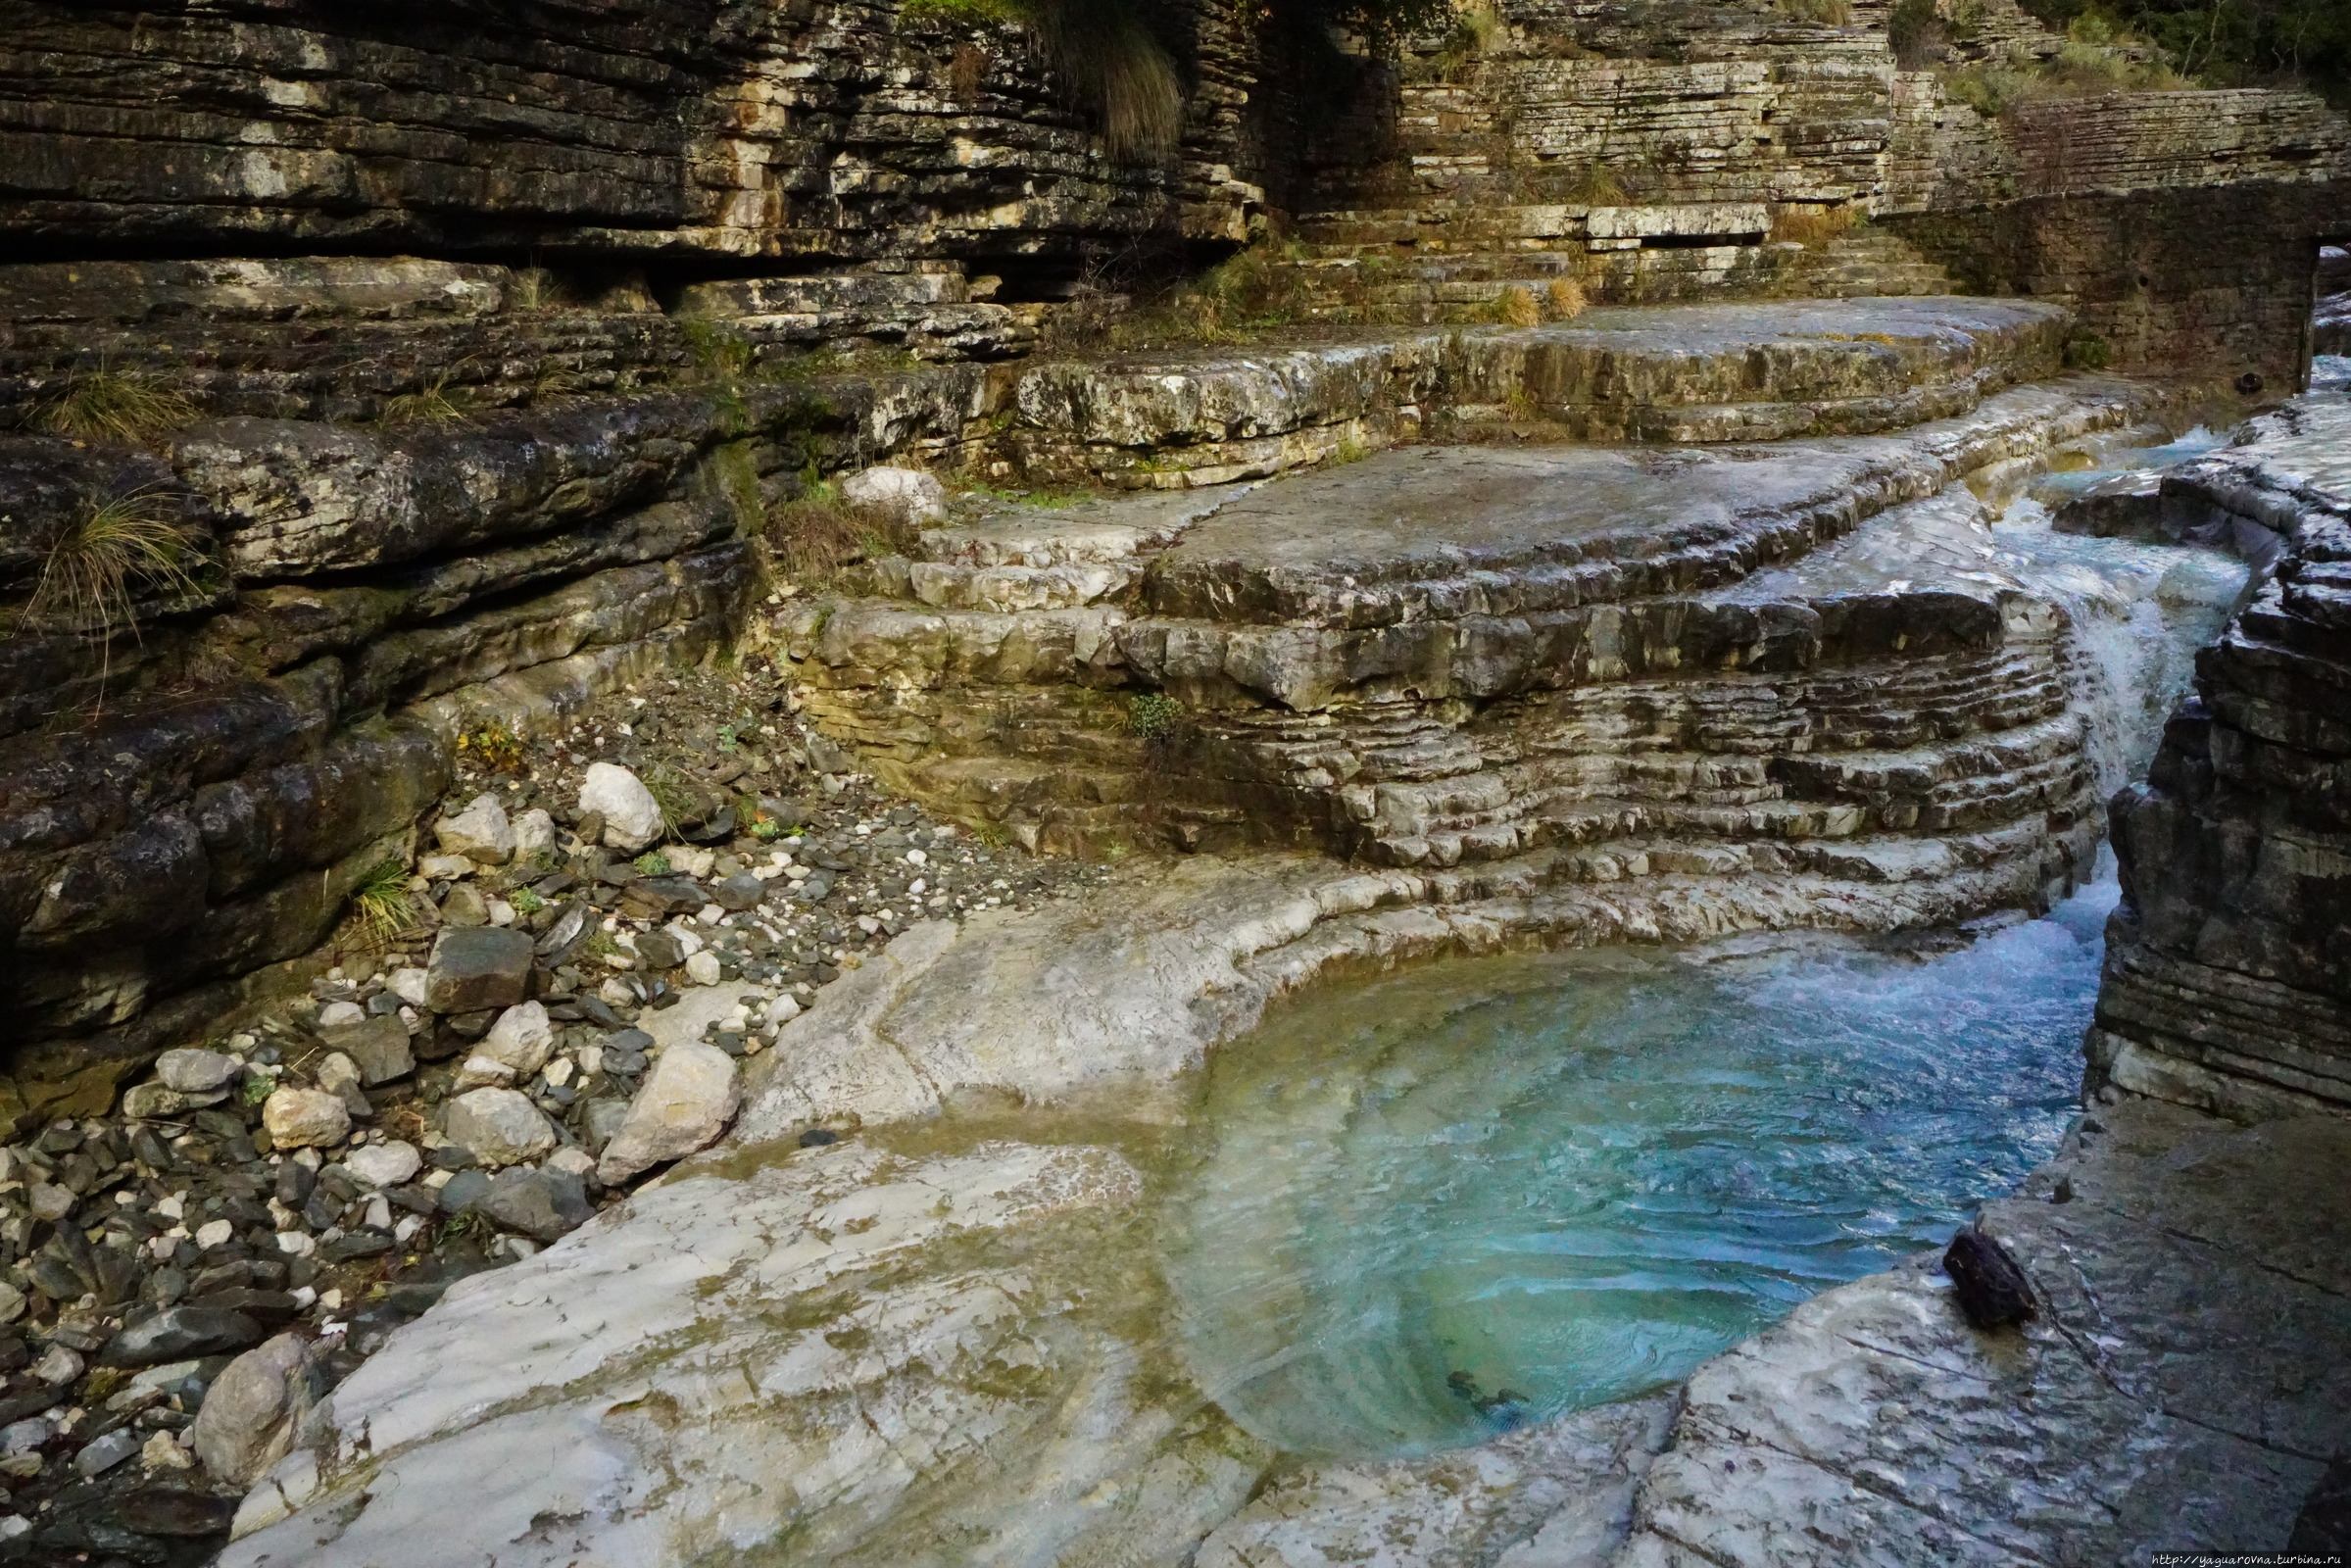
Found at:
[1491, 1190]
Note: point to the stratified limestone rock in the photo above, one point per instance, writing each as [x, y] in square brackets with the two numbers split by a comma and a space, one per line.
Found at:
[685, 1104]
[2226, 986]
[817, 1347]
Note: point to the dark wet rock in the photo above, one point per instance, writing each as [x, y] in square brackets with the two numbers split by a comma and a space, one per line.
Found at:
[180, 1333]
[546, 1205]
[1992, 1289]
[478, 969]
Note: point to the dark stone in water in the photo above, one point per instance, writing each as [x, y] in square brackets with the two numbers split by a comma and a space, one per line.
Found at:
[1993, 1291]
[819, 1136]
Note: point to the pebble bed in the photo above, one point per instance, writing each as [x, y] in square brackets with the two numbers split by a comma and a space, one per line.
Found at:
[453, 1091]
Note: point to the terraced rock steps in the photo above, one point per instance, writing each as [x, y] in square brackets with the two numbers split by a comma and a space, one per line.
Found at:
[1567, 664]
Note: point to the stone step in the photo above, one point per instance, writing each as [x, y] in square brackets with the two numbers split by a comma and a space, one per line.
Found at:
[1681, 373]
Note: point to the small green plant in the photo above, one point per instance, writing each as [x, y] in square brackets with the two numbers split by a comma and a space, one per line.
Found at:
[526, 900]
[671, 795]
[437, 403]
[2087, 351]
[464, 1227]
[254, 1090]
[381, 905]
[495, 746]
[1154, 716]
[724, 354]
[990, 835]
[728, 738]
[1471, 35]
[1348, 450]
[536, 289]
[103, 405]
[653, 862]
[91, 571]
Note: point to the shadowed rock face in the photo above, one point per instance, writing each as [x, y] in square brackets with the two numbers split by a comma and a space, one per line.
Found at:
[2227, 982]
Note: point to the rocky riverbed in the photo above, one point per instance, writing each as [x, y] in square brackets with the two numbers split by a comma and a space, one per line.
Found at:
[550, 1006]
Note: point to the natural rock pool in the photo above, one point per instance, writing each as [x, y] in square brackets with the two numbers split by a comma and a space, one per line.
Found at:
[1497, 1189]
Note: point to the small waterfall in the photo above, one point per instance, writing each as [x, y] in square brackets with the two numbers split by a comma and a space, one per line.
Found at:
[2136, 613]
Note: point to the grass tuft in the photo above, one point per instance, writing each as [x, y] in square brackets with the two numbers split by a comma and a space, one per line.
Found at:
[381, 905]
[1154, 716]
[436, 404]
[90, 576]
[105, 404]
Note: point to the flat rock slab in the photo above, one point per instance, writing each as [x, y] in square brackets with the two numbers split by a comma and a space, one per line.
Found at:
[2186, 1386]
[861, 1353]
[1437, 531]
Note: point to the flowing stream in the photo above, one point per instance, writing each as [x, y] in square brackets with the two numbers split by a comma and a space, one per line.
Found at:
[1489, 1191]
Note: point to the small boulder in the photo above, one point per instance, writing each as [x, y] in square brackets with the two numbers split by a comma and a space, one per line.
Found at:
[379, 1048]
[462, 1190]
[601, 1120]
[534, 834]
[702, 969]
[1993, 1290]
[195, 1072]
[252, 1409]
[500, 1127]
[544, 1204]
[742, 891]
[180, 1333]
[903, 495]
[780, 1011]
[481, 832]
[471, 969]
[384, 1165]
[632, 817]
[659, 950]
[686, 1103]
[298, 1117]
[522, 1039]
[151, 1102]
[339, 1075]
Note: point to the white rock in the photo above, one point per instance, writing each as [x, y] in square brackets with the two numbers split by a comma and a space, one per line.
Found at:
[445, 868]
[479, 1072]
[578, 1162]
[501, 912]
[559, 1071]
[522, 1038]
[12, 1303]
[297, 1244]
[384, 1165]
[694, 861]
[906, 493]
[481, 832]
[59, 1365]
[632, 817]
[195, 1072]
[782, 1010]
[688, 1098]
[534, 834]
[500, 1127]
[216, 1233]
[306, 1116]
[702, 969]
[411, 986]
[162, 1452]
[341, 1014]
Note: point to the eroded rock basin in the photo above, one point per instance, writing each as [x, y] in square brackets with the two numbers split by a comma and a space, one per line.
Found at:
[1481, 1193]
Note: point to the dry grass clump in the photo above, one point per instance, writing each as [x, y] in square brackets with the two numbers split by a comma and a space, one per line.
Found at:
[105, 404]
[1811, 227]
[1827, 13]
[94, 567]
[382, 908]
[1567, 299]
[817, 534]
[438, 402]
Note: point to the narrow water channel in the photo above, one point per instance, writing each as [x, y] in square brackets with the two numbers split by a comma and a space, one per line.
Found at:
[1489, 1191]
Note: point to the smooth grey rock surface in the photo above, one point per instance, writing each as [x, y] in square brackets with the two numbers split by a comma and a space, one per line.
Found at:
[499, 1127]
[932, 1374]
